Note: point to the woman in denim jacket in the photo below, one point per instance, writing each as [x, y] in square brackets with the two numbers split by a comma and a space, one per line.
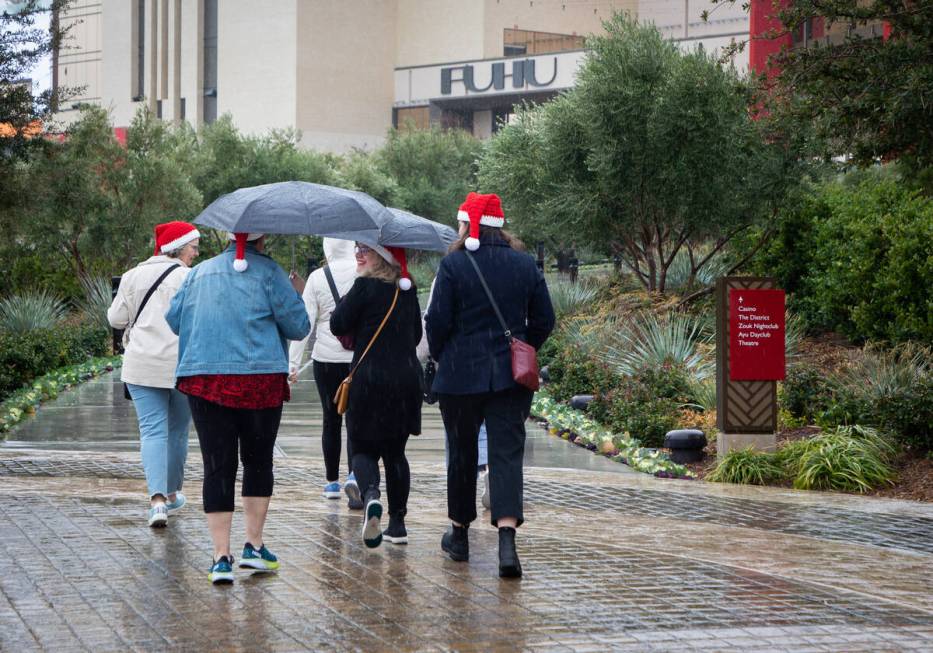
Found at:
[234, 316]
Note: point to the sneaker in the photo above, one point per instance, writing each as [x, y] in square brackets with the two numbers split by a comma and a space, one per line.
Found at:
[396, 532]
[221, 572]
[158, 516]
[355, 500]
[485, 498]
[177, 504]
[456, 542]
[372, 528]
[262, 559]
[332, 490]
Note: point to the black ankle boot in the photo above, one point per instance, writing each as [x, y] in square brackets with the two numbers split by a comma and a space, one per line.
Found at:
[509, 565]
[396, 533]
[456, 542]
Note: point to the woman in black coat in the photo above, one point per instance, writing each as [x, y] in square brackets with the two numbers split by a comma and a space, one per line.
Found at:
[385, 398]
[474, 373]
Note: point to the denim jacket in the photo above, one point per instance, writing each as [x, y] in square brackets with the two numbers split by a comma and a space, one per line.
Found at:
[231, 322]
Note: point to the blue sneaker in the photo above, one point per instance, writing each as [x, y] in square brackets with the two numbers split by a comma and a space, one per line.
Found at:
[353, 493]
[332, 490]
[261, 559]
[177, 504]
[372, 527]
[221, 572]
[158, 516]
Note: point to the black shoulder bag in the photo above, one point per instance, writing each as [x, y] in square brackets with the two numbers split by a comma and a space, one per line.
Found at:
[126, 391]
[346, 342]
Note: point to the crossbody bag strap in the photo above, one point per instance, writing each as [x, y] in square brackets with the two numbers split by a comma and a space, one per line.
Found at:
[375, 335]
[152, 290]
[330, 282]
[495, 306]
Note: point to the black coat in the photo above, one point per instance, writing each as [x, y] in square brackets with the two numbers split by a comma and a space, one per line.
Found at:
[464, 335]
[385, 398]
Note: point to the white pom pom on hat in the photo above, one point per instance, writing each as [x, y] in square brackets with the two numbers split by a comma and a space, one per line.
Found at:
[478, 210]
[404, 283]
[239, 261]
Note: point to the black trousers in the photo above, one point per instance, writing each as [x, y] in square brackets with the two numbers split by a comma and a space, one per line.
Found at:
[505, 413]
[366, 455]
[221, 432]
[327, 378]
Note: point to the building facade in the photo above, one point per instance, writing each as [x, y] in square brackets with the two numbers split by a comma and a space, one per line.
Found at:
[344, 71]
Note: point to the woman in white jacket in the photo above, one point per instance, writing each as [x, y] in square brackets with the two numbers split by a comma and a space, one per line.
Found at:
[149, 360]
[331, 362]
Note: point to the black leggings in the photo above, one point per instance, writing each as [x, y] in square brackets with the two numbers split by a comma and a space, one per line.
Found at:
[220, 430]
[366, 455]
[327, 378]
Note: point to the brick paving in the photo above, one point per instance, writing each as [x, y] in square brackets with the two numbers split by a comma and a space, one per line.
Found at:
[612, 562]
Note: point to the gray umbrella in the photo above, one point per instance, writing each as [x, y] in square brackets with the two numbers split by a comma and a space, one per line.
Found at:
[414, 232]
[298, 207]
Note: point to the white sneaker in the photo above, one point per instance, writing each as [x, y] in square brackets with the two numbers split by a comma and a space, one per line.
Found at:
[485, 497]
[158, 515]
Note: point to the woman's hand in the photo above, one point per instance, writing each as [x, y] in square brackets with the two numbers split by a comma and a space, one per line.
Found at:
[297, 282]
[293, 375]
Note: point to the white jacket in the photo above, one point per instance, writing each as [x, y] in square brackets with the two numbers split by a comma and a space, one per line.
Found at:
[151, 349]
[320, 304]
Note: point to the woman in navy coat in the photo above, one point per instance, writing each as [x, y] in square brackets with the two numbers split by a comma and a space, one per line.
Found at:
[474, 373]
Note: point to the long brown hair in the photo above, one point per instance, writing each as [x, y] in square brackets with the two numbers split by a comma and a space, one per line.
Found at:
[507, 236]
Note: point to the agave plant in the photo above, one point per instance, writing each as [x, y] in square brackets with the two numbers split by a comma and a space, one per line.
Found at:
[569, 297]
[96, 301]
[36, 309]
[704, 394]
[877, 374]
[678, 274]
[649, 341]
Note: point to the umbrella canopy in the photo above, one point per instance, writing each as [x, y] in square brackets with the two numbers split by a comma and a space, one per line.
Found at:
[298, 207]
[414, 232]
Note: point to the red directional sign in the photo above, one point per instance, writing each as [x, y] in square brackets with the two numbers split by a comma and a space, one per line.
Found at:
[756, 335]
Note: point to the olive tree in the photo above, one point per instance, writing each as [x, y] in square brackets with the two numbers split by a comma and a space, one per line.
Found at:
[653, 151]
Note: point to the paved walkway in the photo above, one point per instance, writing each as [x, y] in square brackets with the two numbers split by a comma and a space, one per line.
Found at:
[613, 560]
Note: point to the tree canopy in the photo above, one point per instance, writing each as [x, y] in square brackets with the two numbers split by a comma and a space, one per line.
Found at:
[652, 151]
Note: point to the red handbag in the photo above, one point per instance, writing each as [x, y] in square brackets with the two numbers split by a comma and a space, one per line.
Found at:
[524, 357]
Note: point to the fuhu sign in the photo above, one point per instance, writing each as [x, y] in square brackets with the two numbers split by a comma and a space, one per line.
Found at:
[483, 77]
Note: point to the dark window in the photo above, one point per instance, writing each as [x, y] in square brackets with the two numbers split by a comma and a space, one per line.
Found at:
[515, 50]
[140, 50]
[210, 61]
[158, 108]
[181, 109]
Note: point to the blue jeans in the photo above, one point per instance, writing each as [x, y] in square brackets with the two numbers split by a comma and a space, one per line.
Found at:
[164, 418]
[483, 458]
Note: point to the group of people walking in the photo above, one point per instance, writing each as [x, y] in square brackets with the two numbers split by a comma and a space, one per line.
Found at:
[211, 342]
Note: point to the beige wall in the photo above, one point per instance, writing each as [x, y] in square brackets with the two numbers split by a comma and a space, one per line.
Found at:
[79, 60]
[119, 64]
[256, 63]
[545, 16]
[345, 76]
[439, 31]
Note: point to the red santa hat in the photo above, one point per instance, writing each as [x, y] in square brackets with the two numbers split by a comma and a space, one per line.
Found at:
[239, 261]
[171, 236]
[480, 209]
[396, 256]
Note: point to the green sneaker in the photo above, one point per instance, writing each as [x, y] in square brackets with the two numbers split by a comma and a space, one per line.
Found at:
[261, 559]
[221, 572]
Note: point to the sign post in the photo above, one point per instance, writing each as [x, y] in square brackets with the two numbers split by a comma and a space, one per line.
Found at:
[749, 361]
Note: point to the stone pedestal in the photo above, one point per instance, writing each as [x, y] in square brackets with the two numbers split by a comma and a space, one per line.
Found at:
[726, 442]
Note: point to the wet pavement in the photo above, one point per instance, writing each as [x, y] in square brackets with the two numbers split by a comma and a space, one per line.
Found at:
[613, 560]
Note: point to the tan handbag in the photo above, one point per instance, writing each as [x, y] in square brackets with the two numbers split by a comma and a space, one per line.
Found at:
[342, 398]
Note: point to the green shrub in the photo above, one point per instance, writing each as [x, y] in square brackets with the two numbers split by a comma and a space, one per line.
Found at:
[30, 310]
[25, 356]
[852, 459]
[645, 405]
[891, 390]
[748, 467]
[573, 372]
[806, 392]
[96, 300]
